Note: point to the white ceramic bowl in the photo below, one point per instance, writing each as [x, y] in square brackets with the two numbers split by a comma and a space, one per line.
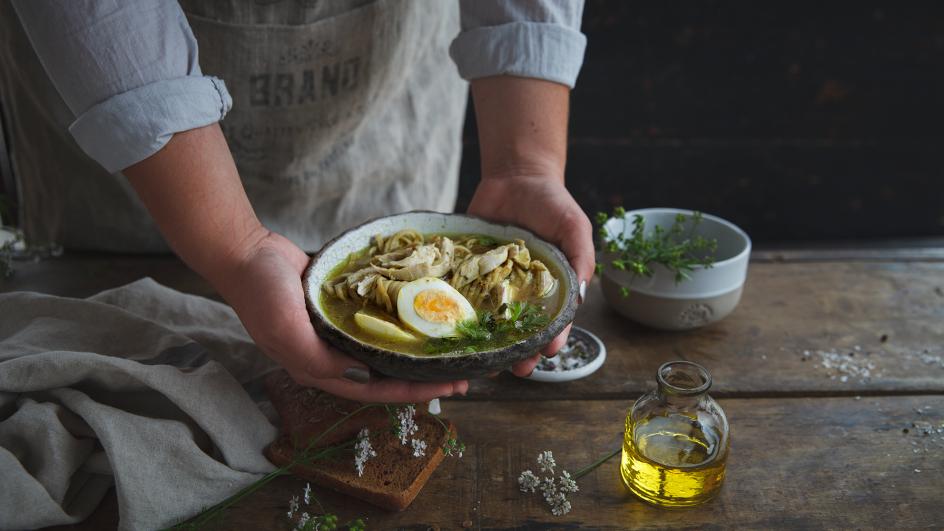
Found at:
[658, 301]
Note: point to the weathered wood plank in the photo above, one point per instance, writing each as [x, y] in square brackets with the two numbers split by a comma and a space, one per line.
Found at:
[84, 274]
[787, 308]
[794, 464]
[933, 251]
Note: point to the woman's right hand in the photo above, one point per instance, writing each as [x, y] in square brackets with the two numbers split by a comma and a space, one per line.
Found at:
[265, 289]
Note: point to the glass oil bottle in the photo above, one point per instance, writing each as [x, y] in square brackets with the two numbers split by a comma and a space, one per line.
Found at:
[676, 439]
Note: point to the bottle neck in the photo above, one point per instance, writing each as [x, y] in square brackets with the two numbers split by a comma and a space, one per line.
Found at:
[672, 398]
[682, 383]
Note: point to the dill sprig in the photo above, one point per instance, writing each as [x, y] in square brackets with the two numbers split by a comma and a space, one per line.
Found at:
[512, 321]
[677, 248]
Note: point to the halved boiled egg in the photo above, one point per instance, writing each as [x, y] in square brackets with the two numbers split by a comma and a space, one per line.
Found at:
[432, 307]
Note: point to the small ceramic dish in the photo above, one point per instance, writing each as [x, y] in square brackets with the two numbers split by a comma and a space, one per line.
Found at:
[581, 357]
[661, 302]
[453, 366]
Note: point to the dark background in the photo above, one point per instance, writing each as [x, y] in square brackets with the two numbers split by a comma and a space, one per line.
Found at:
[795, 120]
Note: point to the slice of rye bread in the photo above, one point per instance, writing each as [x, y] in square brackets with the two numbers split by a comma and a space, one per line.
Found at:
[306, 412]
[391, 480]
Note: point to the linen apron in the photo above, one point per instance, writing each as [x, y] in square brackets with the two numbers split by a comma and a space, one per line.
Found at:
[342, 111]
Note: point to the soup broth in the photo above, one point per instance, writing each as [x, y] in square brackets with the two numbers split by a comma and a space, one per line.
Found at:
[436, 294]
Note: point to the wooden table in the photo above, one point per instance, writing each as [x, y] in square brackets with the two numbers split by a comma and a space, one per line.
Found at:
[812, 447]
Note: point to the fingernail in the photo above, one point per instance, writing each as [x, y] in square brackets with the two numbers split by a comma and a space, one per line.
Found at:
[357, 375]
[582, 292]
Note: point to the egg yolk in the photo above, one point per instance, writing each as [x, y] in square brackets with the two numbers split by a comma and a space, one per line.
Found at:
[436, 307]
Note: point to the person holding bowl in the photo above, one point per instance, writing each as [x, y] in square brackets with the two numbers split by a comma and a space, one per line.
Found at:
[336, 112]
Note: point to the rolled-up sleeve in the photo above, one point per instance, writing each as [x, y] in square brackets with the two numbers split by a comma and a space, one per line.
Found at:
[527, 38]
[127, 69]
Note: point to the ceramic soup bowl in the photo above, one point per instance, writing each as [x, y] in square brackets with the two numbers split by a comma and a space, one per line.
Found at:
[658, 301]
[438, 367]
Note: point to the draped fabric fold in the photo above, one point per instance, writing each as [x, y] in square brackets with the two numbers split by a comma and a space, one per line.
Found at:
[142, 388]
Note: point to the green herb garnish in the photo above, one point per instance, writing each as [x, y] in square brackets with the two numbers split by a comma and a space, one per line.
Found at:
[512, 322]
[487, 241]
[677, 248]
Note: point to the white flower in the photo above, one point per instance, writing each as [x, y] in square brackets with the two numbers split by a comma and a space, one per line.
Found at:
[553, 489]
[527, 481]
[307, 493]
[292, 506]
[362, 453]
[567, 484]
[559, 503]
[546, 461]
[302, 520]
[548, 488]
[406, 424]
[419, 447]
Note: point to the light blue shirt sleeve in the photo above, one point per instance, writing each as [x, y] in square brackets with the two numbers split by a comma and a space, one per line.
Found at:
[127, 69]
[527, 38]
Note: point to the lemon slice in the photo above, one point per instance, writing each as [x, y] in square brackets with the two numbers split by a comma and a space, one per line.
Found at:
[381, 328]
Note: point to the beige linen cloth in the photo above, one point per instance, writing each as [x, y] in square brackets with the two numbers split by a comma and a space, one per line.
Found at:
[140, 387]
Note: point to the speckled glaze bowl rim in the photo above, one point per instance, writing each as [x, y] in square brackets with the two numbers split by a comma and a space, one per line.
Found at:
[526, 347]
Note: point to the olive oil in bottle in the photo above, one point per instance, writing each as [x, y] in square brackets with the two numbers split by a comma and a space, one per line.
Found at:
[676, 440]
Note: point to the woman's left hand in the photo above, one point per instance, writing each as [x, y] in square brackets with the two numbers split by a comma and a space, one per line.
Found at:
[542, 204]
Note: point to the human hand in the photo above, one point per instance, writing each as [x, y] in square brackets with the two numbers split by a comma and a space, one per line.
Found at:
[266, 291]
[192, 189]
[542, 204]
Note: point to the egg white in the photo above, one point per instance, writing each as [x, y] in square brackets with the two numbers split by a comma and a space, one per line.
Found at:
[446, 325]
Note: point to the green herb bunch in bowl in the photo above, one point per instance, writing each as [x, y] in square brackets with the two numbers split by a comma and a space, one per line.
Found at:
[671, 269]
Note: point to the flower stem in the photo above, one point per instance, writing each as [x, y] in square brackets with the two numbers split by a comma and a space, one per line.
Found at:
[443, 424]
[211, 513]
[589, 468]
[299, 458]
[334, 426]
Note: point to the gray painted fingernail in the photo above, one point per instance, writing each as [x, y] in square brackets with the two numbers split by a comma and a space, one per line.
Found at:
[582, 291]
[357, 375]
